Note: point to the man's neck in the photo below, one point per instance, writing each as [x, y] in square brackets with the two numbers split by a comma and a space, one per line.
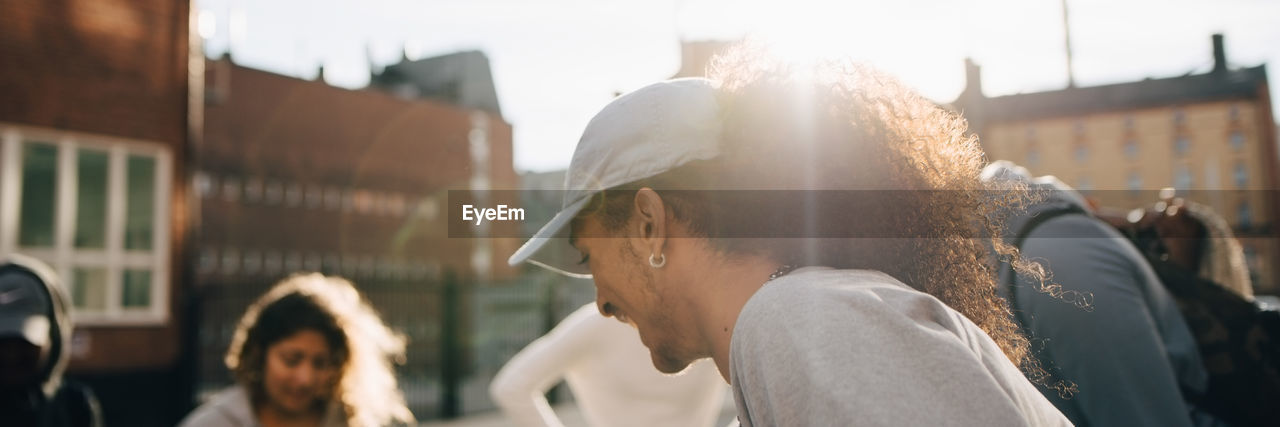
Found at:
[732, 285]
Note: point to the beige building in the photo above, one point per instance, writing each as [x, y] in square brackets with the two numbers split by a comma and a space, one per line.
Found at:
[1211, 136]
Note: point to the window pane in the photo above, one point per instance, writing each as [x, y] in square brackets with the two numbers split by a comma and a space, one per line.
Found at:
[1082, 153]
[137, 289]
[1134, 182]
[39, 186]
[1244, 215]
[1182, 178]
[91, 199]
[141, 203]
[1131, 149]
[1237, 140]
[89, 290]
[1181, 145]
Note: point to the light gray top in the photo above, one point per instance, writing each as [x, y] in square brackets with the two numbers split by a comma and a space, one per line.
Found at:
[231, 408]
[854, 347]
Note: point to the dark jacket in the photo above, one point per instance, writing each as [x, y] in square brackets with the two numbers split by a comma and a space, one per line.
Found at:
[52, 402]
[1125, 344]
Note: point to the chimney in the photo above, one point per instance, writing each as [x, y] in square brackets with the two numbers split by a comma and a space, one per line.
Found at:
[1219, 55]
[972, 78]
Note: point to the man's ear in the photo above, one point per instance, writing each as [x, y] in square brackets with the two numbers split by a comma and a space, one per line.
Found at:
[650, 214]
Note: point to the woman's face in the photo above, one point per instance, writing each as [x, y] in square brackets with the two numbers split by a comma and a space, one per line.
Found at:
[299, 372]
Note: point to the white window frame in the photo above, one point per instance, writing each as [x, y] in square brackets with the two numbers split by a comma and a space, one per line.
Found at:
[64, 257]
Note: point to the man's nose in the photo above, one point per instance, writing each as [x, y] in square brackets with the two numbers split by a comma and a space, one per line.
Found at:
[606, 309]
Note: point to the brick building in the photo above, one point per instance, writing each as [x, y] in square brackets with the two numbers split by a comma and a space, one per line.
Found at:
[1211, 136]
[93, 135]
[295, 175]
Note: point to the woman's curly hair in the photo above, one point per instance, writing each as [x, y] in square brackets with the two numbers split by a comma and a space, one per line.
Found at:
[363, 348]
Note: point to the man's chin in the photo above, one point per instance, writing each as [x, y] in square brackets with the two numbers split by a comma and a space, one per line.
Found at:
[667, 365]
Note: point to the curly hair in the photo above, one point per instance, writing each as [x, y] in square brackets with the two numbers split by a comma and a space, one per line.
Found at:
[890, 182]
[1223, 259]
[362, 346]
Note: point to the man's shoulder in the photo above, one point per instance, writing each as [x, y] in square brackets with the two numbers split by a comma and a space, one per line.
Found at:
[1064, 220]
[820, 298]
[823, 286]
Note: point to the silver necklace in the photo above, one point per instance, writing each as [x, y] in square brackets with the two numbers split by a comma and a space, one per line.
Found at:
[781, 271]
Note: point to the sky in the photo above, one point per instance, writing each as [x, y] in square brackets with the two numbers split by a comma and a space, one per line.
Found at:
[557, 62]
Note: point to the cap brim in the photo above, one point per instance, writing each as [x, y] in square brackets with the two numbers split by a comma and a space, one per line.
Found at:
[549, 248]
[33, 328]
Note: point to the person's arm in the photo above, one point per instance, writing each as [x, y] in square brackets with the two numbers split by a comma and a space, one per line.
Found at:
[520, 387]
[1115, 352]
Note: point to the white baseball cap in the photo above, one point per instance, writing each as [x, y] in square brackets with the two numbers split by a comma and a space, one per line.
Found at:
[639, 135]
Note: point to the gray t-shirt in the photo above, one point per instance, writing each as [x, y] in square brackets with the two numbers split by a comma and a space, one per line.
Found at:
[854, 347]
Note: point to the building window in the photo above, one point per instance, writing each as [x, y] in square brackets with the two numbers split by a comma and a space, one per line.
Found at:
[332, 264]
[348, 200]
[1134, 183]
[230, 261]
[1182, 178]
[204, 184]
[271, 262]
[1084, 184]
[332, 199]
[315, 197]
[1181, 145]
[1240, 175]
[230, 189]
[208, 263]
[396, 205]
[97, 211]
[1237, 140]
[1131, 148]
[273, 193]
[312, 262]
[253, 190]
[1244, 216]
[364, 201]
[293, 195]
[252, 263]
[293, 262]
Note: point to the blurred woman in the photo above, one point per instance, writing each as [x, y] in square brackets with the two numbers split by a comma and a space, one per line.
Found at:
[309, 352]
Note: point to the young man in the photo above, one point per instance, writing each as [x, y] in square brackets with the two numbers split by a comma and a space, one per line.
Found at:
[1129, 351]
[35, 332]
[813, 231]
